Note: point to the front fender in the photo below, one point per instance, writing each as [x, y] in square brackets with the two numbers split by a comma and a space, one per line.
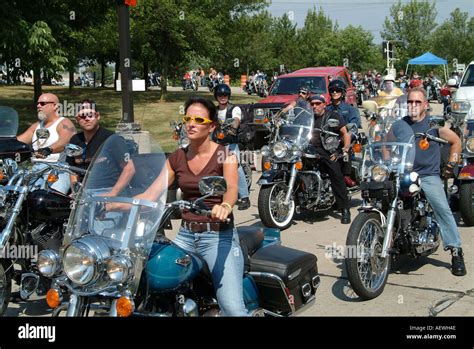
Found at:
[368, 209]
[271, 177]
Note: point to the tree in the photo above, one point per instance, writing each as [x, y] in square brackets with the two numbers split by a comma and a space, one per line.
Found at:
[454, 38]
[411, 24]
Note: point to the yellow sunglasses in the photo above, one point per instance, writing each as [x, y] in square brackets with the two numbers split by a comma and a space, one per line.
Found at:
[197, 119]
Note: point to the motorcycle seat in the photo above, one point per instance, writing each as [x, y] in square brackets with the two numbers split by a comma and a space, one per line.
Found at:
[250, 238]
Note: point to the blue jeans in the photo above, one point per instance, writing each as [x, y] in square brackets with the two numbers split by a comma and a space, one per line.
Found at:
[433, 190]
[63, 183]
[243, 189]
[222, 253]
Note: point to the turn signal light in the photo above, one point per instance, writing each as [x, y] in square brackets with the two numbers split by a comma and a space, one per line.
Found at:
[267, 165]
[265, 120]
[52, 178]
[220, 135]
[357, 148]
[1, 176]
[124, 306]
[53, 298]
[299, 165]
[175, 137]
[424, 144]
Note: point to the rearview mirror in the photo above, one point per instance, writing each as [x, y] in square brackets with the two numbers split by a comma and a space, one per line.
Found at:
[213, 186]
[73, 150]
[437, 122]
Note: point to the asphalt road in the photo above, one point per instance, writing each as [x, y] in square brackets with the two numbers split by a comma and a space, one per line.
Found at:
[421, 287]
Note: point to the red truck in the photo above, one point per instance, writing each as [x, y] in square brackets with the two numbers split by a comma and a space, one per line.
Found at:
[285, 89]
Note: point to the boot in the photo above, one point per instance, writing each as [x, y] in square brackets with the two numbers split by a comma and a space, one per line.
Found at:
[345, 216]
[457, 262]
[244, 204]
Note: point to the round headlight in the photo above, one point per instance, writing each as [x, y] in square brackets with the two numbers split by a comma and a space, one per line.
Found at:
[379, 173]
[48, 263]
[259, 112]
[119, 268]
[265, 151]
[79, 263]
[280, 149]
[470, 145]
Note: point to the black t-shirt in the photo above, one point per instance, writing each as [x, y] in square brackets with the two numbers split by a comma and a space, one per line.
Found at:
[90, 149]
[318, 120]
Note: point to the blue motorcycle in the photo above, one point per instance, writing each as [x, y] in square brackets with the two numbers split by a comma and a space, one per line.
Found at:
[119, 262]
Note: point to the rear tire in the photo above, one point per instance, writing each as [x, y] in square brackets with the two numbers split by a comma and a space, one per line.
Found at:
[466, 203]
[366, 268]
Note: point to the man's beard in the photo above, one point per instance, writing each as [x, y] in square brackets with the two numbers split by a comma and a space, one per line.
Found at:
[41, 116]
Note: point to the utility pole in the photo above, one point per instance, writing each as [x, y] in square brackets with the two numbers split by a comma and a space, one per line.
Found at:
[127, 121]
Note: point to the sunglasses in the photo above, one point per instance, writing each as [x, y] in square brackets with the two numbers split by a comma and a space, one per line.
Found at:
[197, 119]
[44, 103]
[222, 95]
[303, 93]
[411, 101]
[316, 103]
[335, 91]
[85, 116]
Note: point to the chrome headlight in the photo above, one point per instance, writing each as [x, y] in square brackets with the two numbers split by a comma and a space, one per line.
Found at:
[379, 173]
[265, 151]
[48, 263]
[280, 149]
[119, 268]
[470, 144]
[259, 112]
[81, 259]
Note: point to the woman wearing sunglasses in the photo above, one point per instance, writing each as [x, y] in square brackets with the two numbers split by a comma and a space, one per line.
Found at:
[213, 237]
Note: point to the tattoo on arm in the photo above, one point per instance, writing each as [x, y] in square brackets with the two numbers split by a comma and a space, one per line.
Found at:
[69, 128]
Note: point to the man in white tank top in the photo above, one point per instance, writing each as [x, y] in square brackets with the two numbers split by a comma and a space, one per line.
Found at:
[60, 132]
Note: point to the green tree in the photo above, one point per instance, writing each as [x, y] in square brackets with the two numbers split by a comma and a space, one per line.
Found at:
[454, 38]
[411, 24]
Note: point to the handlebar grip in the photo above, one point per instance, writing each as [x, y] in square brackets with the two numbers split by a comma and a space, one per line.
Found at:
[77, 170]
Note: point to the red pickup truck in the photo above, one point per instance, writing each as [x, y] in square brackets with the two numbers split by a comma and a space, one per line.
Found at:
[285, 89]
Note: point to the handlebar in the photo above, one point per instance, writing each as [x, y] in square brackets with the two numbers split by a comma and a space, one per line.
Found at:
[431, 137]
[190, 206]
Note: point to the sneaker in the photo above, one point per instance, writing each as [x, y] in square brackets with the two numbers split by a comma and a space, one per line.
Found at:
[349, 182]
[244, 204]
[457, 262]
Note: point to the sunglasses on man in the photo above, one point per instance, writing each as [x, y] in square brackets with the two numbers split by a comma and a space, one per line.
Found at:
[44, 103]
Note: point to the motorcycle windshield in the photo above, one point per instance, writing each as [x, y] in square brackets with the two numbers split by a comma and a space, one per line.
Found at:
[129, 163]
[395, 151]
[299, 125]
[8, 122]
[386, 115]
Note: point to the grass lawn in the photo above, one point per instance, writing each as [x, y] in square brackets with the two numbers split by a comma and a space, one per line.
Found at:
[153, 115]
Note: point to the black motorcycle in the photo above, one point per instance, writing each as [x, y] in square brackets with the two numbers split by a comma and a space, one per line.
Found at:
[31, 218]
[395, 217]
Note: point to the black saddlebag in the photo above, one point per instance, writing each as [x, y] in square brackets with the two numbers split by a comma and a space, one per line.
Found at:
[297, 270]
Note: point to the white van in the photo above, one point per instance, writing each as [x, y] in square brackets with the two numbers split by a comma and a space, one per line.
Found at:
[463, 103]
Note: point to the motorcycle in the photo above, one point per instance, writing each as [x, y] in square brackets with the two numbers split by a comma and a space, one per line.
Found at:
[190, 83]
[213, 82]
[433, 89]
[395, 218]
[179, 134]
[31, 218]
[249, 87]
[114, 261]
[261, 85]
[291, 180]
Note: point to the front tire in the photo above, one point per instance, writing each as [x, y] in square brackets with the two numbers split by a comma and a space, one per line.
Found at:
[5, 285]
[466, 203]
[366, 270]
[272, 211]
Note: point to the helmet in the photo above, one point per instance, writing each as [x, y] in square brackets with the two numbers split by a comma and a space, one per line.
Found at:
[337, 84]
[388, 77]
[222, 89]
[452, 82]
[304, 89]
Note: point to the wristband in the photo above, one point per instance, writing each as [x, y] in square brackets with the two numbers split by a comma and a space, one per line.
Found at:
[225, 204]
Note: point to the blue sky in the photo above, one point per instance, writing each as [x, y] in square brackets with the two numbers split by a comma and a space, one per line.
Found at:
[370, 14]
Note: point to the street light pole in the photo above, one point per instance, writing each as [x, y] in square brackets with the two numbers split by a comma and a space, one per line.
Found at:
[125, 62]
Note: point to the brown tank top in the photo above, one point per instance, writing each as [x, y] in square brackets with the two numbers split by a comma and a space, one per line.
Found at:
[188, 181]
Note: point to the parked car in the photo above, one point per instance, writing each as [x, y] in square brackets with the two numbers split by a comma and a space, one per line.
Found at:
[285, 89]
